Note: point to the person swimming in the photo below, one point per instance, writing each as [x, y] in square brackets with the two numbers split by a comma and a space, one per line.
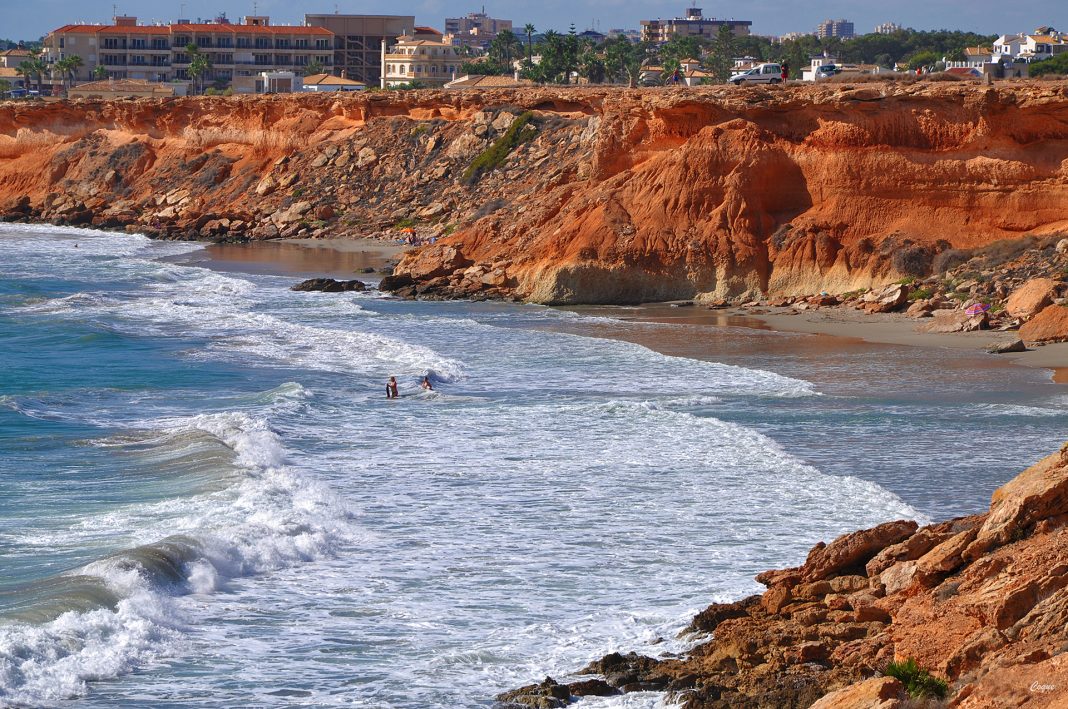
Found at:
[427, 386]
[391, 389]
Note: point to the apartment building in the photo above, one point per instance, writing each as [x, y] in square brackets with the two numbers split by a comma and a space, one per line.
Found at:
[358, 41]
[835, 28]
[238, 52]
[412, 59]
[477, 29]
[694, 24]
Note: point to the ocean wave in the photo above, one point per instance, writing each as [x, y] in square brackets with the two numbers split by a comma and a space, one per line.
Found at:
[124, 610]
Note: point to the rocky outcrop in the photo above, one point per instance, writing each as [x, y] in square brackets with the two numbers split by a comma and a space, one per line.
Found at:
[605, 195]
[1029, 299]
[329, 285]
[1050, 325]
[981, 602]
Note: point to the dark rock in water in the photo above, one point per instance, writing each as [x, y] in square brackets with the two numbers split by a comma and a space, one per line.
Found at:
[395, 283]
[549, 694]
[683, 304]
[630, 669]
[592, 688]
[368, 269]
[329, 285]
[1004, 347]
[709, 619]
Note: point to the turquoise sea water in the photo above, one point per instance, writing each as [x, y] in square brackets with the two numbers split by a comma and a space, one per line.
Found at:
[206, 499]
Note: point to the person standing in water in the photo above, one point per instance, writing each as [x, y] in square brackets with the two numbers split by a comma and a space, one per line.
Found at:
[391, 389]
[427, 386]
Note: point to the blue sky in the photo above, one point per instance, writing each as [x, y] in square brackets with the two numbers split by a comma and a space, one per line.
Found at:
[26, 19]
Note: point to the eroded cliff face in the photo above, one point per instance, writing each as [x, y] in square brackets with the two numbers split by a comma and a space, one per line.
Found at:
[613, 196]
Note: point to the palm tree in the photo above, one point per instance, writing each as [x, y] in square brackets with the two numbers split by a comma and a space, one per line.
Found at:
[62, 66]
[39, 67]
[100, 72]
[76, 63]
[529, 30]
[5, 86]
[199, 64]
[313, 68]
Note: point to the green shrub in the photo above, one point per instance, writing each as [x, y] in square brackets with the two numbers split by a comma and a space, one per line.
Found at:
[419, 130]
[919, 683]
[406, 223]
[921, 294]
[497, 153]
[907, 281]
[449, 229]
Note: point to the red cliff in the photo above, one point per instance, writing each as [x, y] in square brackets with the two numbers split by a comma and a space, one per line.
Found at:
[605, 195]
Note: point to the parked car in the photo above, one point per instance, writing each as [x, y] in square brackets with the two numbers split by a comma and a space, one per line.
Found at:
[826, 71]
[760, 74]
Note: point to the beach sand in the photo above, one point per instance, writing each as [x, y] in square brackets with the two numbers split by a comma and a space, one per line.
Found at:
[896, 329]
[333, 258]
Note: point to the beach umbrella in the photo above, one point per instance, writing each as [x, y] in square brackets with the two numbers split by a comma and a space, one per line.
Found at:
[977, 309]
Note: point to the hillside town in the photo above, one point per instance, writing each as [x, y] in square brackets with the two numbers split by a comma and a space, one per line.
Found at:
[128, 57]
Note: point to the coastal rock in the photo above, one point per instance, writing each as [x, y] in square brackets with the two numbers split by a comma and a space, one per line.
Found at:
[887, 299]
[329, 285]
[946, 321]
[1007, 347]
[547, 694]
[1029, 299]
[874, 693]
[1050, 325]
[850, 552]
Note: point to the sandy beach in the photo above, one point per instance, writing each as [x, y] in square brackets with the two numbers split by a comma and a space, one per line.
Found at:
[334, 258]
[896, 329]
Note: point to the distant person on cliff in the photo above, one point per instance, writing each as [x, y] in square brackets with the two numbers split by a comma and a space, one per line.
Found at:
[785, 71]
[391, 389]
[427, 386]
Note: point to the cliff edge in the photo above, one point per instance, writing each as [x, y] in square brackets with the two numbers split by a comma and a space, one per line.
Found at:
[571, 195]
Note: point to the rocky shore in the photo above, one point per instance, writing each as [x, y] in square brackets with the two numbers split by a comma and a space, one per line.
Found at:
[971, 613]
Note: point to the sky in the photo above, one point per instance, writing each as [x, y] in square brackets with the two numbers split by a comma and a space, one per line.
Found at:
[30, 19]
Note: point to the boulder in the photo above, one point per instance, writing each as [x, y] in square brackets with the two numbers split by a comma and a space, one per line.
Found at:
[266, 186]
[1062, 246]
[920, 309]
[547, 694]
[324, 212]
[366, 157]
[849, 553]
[1005, 347]
[1029, 299]
[329, 285]
[1050, 325]
[1036, 494]
[886, 300]
[943, 321]
[874, 693]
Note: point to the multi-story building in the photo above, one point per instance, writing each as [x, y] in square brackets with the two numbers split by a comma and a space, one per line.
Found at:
[887, 28]
[429, 62]
[238, 52]
[358, 41]
[835, 28]
[476, 30]
[693, 25]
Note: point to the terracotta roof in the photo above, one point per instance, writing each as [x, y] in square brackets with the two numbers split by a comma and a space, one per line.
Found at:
[407, 41]
[1046, 39]
[9, 73]
[479, 81]
[207, 28]
[15, 53]
[689, 60]
[427, 30]
[978, 51]
[330, 80]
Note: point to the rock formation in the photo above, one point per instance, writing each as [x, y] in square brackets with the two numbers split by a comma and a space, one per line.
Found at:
[981, 602]
[598, 195]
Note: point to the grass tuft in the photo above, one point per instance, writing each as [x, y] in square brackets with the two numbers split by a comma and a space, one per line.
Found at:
[919, 683]
[496, 154]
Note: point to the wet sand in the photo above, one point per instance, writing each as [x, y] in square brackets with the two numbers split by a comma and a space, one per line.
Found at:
[333, 258]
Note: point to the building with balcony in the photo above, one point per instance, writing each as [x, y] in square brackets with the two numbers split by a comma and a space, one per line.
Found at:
[887, 28]
[835, 28]
[358, 41]
[157, 53]
[694, 24]
[477, 29]
[424, 61]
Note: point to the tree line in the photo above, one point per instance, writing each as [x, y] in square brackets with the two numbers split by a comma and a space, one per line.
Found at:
[557, 58]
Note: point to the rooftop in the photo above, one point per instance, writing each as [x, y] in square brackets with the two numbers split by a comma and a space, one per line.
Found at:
[479, 81]
[204, 27]
[125, 86]
[330, 80]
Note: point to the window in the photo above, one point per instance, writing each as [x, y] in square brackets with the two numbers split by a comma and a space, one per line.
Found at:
[300, 44]
[159, 44]
[282, 44]
[263, 43]
[244, 43]
[322, 44]
[137, 44]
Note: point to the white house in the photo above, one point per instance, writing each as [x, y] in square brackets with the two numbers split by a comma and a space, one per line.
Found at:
[1009, 45]
[1037, 47]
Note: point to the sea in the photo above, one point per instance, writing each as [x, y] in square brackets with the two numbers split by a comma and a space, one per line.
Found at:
[206, 498]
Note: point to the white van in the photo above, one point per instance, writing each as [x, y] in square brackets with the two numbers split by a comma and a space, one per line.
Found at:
[760, 74]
